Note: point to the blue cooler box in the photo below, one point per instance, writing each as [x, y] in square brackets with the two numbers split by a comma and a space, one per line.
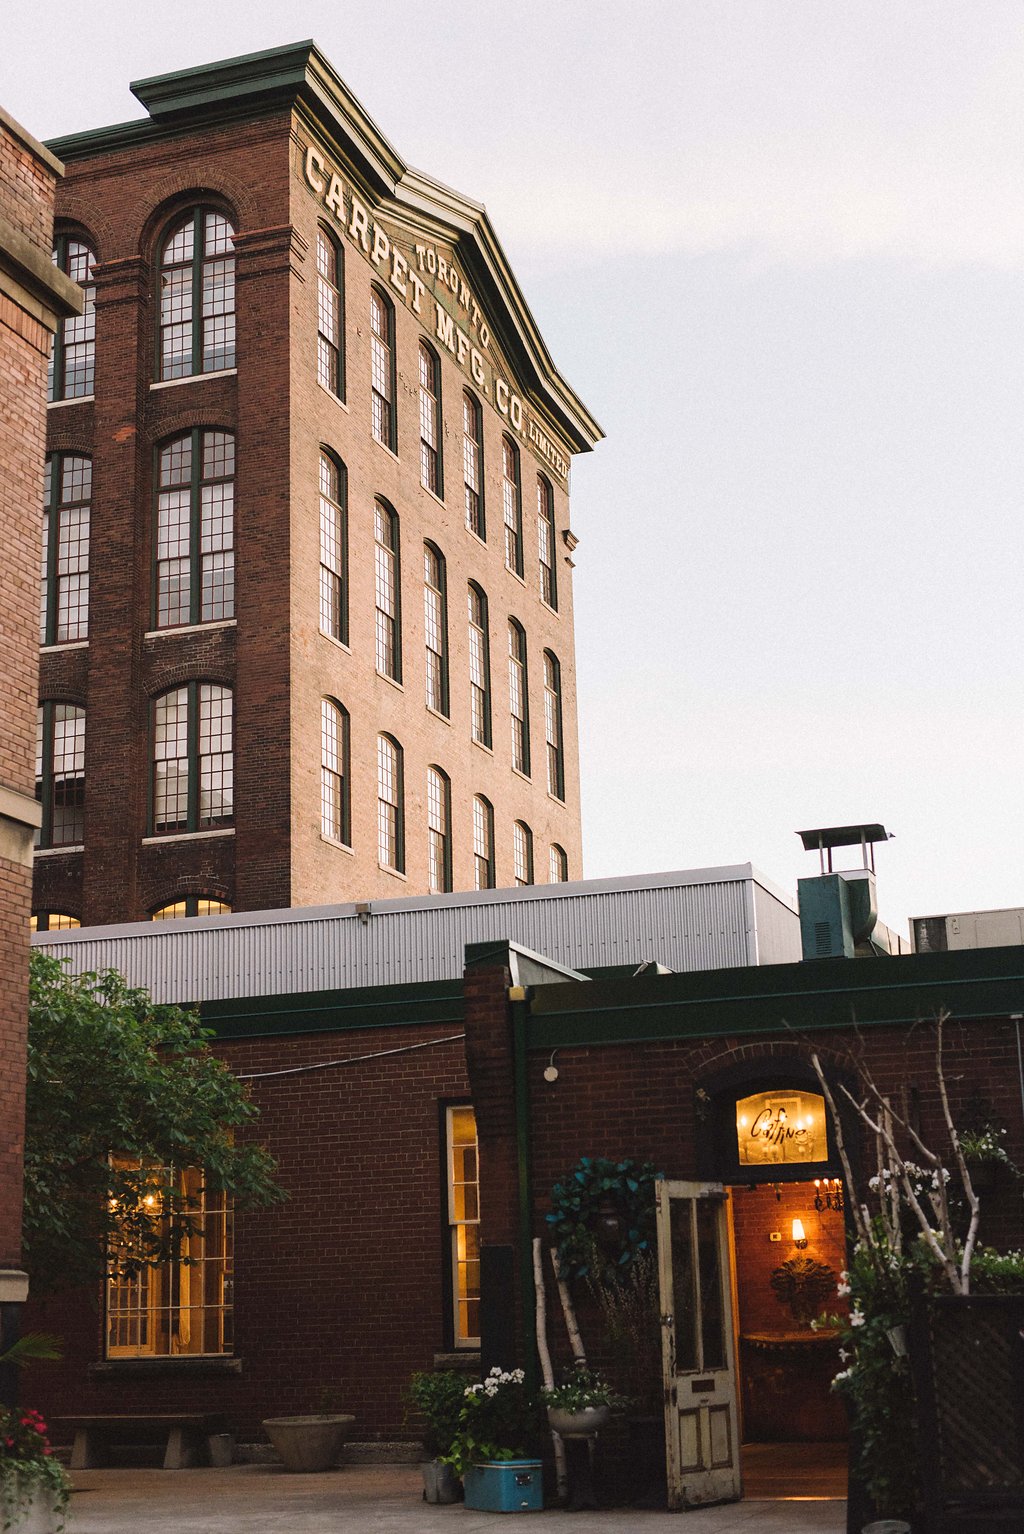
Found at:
[506, 1486]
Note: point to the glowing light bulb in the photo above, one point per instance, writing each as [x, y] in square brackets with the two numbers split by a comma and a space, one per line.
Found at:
[799, 1239]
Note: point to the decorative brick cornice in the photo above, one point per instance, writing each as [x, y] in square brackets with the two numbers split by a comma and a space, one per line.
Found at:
[260, 252]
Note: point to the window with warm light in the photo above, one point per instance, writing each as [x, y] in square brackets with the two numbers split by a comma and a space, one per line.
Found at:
[52, 921]
[464, 1225]
[781, 1127]
[182, 1307]
[191, 905]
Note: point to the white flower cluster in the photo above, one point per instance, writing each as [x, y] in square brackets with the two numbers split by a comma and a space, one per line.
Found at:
[921, 1178]
[857, 1318]
[844, 1374]
[494, 1381]
[843, 1286]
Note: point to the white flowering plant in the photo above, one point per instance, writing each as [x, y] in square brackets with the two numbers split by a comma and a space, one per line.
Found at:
[499, 1420]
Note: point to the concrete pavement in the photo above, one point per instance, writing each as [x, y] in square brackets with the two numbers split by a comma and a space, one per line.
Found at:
[369, 1499]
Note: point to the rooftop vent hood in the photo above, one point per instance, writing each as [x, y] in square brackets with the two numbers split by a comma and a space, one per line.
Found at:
[838, 908]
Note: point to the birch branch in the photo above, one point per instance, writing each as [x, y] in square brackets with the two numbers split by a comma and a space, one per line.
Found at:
[547, 1373]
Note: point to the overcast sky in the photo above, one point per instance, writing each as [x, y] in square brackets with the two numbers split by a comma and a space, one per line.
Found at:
[778, 248]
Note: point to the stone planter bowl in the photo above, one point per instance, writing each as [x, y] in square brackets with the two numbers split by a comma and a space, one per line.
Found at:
[308, 1443]
[578, 1424]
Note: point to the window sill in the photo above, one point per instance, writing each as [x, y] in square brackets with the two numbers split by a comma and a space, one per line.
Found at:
[339, 644]
[433, 495]
[558, 799]
[481, 538]
[396, 873]
[187, 836]
[516, 576]
[437, 714]
[465, 1356]
[69, 644]
[76, 399]
[482, 745]
[191, 628]
[384, 448]
[53, 852]
[390, 681]
[332, 841]
[173, 383]
[548, 607]
[335, 397]
[519, 773]
[208, 1366]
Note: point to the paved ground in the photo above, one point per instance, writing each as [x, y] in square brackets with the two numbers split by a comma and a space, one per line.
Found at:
[368, 1499]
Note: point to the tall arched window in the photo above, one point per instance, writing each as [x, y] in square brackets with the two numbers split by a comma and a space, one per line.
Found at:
[73, 359]
[522, 852]
[439, 831]
[382, 369]
[197, 295]
[64, 614]
[483, 843]
[333, 549]
[553, 725]
[388, 582]
[431, 464]
[473, 463]
[60, 774]
[558, 864]
[193, 759]
[518, 697]
[435, 628]
[512, 503]
[52, 921]
[195, 529]
[390, 804]
[330, 313]
[334, 771]
[546, 541]
[479, 666]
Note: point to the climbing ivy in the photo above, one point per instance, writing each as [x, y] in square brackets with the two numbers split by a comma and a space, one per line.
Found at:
[575, 1208]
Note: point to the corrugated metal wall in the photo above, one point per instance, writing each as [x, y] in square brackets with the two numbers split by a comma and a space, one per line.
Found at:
[684, 922]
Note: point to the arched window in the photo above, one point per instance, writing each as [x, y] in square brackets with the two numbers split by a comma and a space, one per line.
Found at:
[546, 541]
[330, 313]
[512, 503]
[479, 666]
[390, 805]
[522, 852]
[73, 359]
[435, 628]
[64, 614]
[558, 864]
[439, 831]
[431, 463]
[195, 529]
[473, 463]
[388, 582]
[52, 921]
[333, 549]
[197, 295]
[193, 759]
[60, 774]
[334, 771]
[518, 697]
[192, 905]
[483, 842]
[553, 725]
[382, 369]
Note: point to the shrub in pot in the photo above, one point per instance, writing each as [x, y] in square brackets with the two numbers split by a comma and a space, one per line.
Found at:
[581, 1405]
[438, 1397]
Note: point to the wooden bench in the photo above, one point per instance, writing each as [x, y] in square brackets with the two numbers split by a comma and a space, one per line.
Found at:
[187, 1437]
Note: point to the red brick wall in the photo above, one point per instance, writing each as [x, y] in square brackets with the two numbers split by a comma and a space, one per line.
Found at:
[26, 202]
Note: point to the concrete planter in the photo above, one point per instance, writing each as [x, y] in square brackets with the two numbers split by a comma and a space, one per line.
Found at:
[31, 1509]
[308, 1443]
[579, 1424]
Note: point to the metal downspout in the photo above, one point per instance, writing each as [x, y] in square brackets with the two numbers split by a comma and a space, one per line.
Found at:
[520, 1009]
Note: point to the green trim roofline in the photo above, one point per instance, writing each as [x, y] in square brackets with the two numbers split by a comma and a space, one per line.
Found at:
[433, 1003]
[299, 76]
[823, 994]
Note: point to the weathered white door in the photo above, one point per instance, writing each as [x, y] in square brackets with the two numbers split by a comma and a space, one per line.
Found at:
[701, 1425]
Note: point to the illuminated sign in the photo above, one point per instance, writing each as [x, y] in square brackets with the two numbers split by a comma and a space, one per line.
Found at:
[781, 1127]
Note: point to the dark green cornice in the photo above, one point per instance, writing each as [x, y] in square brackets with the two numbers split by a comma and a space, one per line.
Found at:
[438, 1004]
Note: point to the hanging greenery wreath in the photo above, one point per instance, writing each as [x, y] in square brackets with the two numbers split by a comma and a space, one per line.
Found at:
[602, 1217]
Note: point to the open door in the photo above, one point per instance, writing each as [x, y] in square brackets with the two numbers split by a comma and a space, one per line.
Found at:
[701, 1426]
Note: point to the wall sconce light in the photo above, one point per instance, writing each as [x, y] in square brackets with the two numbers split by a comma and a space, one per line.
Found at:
[799, 1239]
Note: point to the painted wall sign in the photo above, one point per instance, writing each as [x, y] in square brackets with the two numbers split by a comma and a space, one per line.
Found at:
[429, 283]
[782, 1126]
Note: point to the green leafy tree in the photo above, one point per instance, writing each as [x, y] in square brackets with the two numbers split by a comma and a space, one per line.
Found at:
[120, 1091]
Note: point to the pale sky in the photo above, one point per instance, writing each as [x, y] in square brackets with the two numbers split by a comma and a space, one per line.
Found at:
[777, 246]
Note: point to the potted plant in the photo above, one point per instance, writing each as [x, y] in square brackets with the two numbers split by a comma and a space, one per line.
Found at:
[312, 1442]
[984, 1151]
[34, 1488]
[438, 1397]
[498, 1431]
[581, 1405]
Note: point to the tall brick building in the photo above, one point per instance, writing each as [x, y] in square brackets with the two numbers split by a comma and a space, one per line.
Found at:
[307, 603]
[33, 298]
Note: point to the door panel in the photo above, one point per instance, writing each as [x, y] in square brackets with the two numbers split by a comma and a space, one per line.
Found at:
[701, 1428]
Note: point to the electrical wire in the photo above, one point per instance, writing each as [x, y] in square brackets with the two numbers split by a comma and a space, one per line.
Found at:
[326, 1065]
